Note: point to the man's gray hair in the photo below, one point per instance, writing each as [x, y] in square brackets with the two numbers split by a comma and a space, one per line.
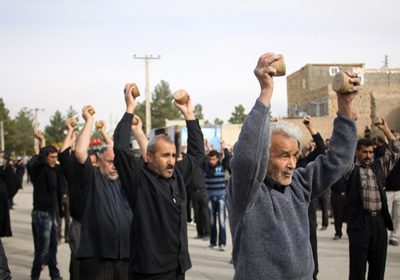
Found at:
[103, 150]
[288, 129]
[151, 146]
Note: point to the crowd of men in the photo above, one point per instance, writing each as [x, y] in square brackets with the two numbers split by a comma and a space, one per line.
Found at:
[129, 215]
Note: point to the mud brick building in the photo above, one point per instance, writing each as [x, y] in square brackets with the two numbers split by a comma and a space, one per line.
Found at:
[309, 91]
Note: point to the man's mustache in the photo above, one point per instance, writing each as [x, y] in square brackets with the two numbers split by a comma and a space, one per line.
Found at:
[288, 170]
[168, 166]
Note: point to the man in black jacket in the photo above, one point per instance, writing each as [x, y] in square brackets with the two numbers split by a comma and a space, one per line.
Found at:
[65, 158]
[157, 196]
[338, 202]
[367, 209]
[47, 182]
[20, 172]
[104, 244]
[312, 214]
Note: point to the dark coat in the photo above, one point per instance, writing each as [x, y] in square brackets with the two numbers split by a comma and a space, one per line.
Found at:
[5, 226]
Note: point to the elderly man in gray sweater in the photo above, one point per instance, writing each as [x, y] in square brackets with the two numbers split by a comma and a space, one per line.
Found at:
[267, 198]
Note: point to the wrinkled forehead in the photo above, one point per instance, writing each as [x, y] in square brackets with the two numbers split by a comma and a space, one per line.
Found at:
[109, 154]
[281, 142]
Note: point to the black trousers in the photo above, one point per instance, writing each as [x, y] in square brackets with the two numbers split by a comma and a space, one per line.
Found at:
[188, 205]
[368, 244]
[103, 269]
[201, 213]
[74, 239]
[171, 275]
[312, 220]
[67, 218]
[323, 200]
[338, 202]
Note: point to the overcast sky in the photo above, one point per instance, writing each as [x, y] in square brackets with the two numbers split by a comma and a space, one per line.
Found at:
[54, 54]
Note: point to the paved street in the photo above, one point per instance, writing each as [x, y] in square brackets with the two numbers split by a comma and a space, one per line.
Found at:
[207, 264]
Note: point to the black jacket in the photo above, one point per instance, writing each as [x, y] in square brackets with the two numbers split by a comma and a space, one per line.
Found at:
[354, 202]
[319, 150]
[65, 160]
[159, 230]
[45, 196]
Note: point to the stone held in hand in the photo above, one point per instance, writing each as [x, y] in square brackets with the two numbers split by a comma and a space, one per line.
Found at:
[378, 121]
[134, 121]
[91, 111]
[341, 83]
[73, 122]
[280, 66]
[135, 91]
[99, 124]
[181, 96]
[305, 120]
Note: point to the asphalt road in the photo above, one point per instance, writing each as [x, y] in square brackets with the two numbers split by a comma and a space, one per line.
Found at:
[206, 264]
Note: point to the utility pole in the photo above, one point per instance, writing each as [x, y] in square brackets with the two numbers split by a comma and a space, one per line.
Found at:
[36, 141]
[386, 62]
[2, 136]
[148, 117]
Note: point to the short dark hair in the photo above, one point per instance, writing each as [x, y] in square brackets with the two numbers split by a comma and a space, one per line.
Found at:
[51, 150]
[151, 146]
[380, 139]
[93, 153]
[364, 142]
[213, 153]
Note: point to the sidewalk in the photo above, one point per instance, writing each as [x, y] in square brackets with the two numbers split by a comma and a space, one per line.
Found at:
[206, 264]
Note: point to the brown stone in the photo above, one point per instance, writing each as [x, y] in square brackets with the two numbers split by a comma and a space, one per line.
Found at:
[280, 66]
[181, 96]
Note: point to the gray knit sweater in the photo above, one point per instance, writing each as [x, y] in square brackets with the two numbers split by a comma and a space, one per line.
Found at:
[270, 230]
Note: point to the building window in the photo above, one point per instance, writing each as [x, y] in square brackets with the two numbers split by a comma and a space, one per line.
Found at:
[294, 82]
[304, 83]
[333, 71]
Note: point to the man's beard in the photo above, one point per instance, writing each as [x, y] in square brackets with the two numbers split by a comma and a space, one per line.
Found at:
[280, 179]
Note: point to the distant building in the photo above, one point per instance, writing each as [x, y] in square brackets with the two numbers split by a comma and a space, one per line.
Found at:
[309, 92]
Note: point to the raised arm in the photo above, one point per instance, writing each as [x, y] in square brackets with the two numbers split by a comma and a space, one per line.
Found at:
[106, 137]
[83, 140]
[125, 161]
[140, 137]
[326, 170]
[319, 142]
[390, 159]
[345, 99]
[309, 125]
[38, 135]
[264, 75]
[40, 162]
[195, 143]
[386, 130]
[250, 154]
[67, 139]
[73, 140]
[207, 145]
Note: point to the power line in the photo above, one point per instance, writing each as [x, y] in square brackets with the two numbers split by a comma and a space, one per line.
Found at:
[95, 90]
[202, 28]
[191, 27]
[169, 29]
